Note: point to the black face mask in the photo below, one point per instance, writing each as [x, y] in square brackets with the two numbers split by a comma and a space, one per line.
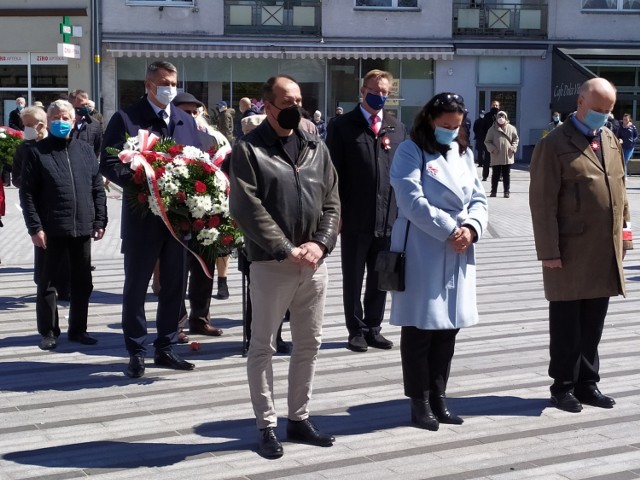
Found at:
[495, 111]
[289, 117]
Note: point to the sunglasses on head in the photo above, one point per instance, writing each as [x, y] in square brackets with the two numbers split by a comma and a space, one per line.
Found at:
[447, 99]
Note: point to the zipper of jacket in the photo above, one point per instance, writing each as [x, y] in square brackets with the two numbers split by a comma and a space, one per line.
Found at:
[296, 172]
[73, 187]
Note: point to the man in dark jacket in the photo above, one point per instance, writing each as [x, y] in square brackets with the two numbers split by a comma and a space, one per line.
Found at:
[145, 239]
[284, 196]
[362, 143]
[64, 206]
[87, 128]
[15, 120]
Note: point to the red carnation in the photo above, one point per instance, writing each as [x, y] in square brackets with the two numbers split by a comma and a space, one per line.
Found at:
[139, 176]
[142, 197]
[181, 197]
[159, 172]
[175, 150]
[208, 169]
[227, 240]
[150, 156]
[198, 224]
[200, 187]
[214, 221]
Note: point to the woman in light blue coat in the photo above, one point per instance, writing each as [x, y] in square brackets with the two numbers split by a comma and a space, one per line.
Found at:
[438, 191]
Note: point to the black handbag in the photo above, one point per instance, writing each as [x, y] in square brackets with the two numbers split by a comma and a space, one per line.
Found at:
[390, 267]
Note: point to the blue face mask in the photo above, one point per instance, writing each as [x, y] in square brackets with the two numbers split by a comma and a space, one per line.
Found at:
[444, 136]
[595, 120]
[375, 101]
[60, 128]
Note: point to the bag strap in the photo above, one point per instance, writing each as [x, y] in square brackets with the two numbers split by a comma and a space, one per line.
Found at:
[406, 232]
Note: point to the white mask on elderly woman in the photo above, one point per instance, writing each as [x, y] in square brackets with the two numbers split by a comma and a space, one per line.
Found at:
[502, 120]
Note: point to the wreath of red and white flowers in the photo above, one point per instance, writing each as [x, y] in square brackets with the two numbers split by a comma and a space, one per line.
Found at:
[181, 185]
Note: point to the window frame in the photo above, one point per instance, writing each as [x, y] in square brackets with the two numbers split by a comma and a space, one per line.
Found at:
[619, 8]
[394, 7]
[161, 3]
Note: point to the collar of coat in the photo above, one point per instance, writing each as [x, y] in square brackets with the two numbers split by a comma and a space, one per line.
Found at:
[270, 138]
[608, 141]
[439, 168]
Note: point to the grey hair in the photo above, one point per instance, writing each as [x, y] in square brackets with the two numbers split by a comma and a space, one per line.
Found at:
[153, 68]
[36, 112]
[61, 106]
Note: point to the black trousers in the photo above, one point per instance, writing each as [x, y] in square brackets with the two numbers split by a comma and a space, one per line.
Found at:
[484, 160]
[496, 172]
[139, 263]
[78, 252]
[199, 291]
[426, 360]
[575, 329]
[357, 252]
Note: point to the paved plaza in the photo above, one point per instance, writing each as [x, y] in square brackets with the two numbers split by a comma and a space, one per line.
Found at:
[72, 413]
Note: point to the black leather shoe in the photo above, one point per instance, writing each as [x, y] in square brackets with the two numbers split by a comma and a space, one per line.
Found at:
[492, 194]
[136, 366]
[595, 398]
[357, 344]
[306, 432]
[422, 415]
[506, 194]
[268, 444]
[82, 338]
[567, 402]
[441, 411]
[48, 342]
[223, 290]
[378, 341]
[171, 360]
[204, 328]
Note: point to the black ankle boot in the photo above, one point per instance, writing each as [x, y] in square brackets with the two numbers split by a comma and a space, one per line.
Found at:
[441, 411]
[422, 416]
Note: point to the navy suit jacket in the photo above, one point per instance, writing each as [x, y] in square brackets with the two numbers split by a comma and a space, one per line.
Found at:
[138, 229]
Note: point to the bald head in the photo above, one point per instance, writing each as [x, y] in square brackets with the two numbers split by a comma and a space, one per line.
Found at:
[596, 99]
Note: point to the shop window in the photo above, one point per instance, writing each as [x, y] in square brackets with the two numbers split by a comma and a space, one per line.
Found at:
[13, 76]
[161, 3]
[610, 5]
[387, 3]
[49, 76]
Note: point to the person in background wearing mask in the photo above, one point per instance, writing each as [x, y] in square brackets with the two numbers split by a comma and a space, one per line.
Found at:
[64, 206]
[362, 143]
[442, 211]
[502, 143]
[225, 120]
[479, 134]
[286, 240]
[15, 121]
[579, 209]
[487, 122]
[628, 134]
[34, 120]
[87, 128]
[145, 238]
[95, 113]
[555, 122]
[320, 124]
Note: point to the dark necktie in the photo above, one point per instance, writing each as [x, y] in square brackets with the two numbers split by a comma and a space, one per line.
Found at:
[163, 115]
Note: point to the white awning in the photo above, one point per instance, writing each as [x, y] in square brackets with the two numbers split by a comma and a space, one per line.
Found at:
[122, 48]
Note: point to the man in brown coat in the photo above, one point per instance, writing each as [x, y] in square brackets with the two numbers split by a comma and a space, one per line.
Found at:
[579, 207]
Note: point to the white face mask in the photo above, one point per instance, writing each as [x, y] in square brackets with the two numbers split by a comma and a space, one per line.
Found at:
[165, 95]
[30, 133]
[502, 121]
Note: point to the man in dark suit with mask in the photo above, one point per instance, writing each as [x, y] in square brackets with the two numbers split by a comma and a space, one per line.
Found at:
[87, 128]
[145, 239]
[362, 143]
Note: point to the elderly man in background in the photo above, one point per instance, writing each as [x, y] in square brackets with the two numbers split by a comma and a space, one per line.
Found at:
[64, 207]
[579, 209]
[87, 128]
[15, 121]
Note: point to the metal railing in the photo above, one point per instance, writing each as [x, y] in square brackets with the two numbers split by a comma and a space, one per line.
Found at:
[503, 20]
[275, 17]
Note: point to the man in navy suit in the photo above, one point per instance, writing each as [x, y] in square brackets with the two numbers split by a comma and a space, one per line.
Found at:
[145, 239]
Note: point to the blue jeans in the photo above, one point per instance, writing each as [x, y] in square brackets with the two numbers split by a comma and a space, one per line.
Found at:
[627, 156]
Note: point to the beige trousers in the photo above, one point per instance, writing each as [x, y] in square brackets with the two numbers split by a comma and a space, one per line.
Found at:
[276, 287]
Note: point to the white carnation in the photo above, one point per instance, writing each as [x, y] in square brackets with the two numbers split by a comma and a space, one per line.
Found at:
[200, 205]
[208, 236]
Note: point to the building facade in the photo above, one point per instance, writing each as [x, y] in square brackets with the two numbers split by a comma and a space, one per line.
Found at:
[529, 54]
[30, 65]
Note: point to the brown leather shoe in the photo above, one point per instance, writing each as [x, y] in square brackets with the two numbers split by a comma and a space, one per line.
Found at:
[182, 336]
[205, 329]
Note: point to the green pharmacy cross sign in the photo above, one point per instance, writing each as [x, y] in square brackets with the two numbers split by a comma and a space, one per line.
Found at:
[66, 29]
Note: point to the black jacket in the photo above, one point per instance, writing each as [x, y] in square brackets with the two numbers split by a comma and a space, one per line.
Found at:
[62, 191]
[363, 162]
[15, 120]
[90, 132]
[280, 204]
